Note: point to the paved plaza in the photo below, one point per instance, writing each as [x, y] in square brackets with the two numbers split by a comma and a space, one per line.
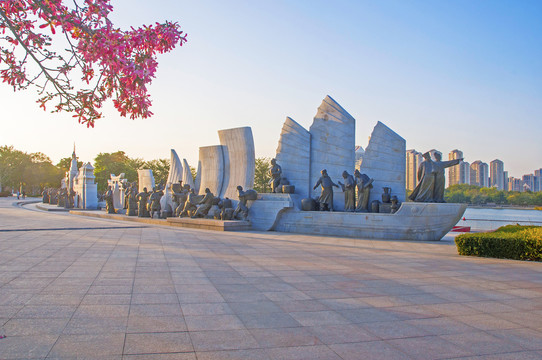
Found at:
[74, 287]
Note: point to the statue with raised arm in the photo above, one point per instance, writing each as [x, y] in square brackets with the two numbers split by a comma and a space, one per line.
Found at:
[438, 169]
[423, 192]
[349, 189]
[363, 186]
[275, 171]
[326, 197]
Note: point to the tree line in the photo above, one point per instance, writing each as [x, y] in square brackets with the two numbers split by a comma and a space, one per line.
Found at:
[32, 172]
[472, 194]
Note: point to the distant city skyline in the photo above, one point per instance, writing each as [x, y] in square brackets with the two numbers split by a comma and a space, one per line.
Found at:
[443, 75]
[477, 173]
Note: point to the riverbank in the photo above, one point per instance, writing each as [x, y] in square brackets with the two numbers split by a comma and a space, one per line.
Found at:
[497, 207]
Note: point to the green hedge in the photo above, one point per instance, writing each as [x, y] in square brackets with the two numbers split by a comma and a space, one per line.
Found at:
[507, 242]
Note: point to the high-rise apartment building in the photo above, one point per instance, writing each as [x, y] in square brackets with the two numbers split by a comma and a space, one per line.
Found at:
[465, 172]
[497, 174]
[413, 160]
[528, 182]
[505, 180]
[538, 180]
[479, 174]
[459, 174]
[514, 184]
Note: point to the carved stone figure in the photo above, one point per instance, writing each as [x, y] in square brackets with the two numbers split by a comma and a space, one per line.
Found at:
[438, 169]
[175, 189]
[241, 212]
[53, 196]
[142, 199]
[275, 171]
[205, 204]
[431, 179]
[191, 204]
[108, 196]
[131, 210]
[326, 197]
[423, 192]
[45, 196]
[154, 199]
[226, 209]
[363, 187]
[126, 186]
[62, 196]
[349, 189]
[182, 198]
[214, 211]
[70, 199]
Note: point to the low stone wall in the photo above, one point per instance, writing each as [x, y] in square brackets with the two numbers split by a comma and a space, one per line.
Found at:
[264, 212]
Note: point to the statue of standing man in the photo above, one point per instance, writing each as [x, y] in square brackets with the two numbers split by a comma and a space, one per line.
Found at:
[430, 187]
[326, 197]
[438, 168]
[349, 189]
[423, 192]
[363, 185]
[142, 198]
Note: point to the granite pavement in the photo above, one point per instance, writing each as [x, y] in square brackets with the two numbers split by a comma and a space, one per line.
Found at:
[73, 287]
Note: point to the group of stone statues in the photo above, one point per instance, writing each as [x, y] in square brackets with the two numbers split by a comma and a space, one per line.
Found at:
[431, 180]
[185, 203]
[142, 204]
[356, 190]
[61, 197]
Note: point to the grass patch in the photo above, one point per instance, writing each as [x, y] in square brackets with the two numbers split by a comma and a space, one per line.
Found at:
[507, 242]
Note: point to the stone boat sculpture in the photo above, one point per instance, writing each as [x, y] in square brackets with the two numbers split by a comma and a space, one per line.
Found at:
[330, 144]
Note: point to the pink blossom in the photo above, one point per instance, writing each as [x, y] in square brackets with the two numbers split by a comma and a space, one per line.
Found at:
[115, 63]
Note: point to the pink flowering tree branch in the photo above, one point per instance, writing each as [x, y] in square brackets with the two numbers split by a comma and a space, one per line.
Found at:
[111, 63]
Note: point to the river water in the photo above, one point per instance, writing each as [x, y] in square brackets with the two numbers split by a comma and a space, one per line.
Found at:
[491, 219]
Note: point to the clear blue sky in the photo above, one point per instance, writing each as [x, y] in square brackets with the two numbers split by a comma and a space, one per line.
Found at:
[442, 74]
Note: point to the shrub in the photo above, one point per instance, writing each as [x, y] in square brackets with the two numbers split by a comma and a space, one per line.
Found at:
[508, 242]
[5, 193]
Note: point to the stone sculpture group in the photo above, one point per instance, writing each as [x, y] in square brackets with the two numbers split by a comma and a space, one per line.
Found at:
[310, 161]
[356, 190]
[431, 179]
[186, 203]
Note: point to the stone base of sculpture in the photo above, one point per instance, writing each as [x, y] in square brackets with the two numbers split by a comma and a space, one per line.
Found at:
[210, 224]
[412, 221]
